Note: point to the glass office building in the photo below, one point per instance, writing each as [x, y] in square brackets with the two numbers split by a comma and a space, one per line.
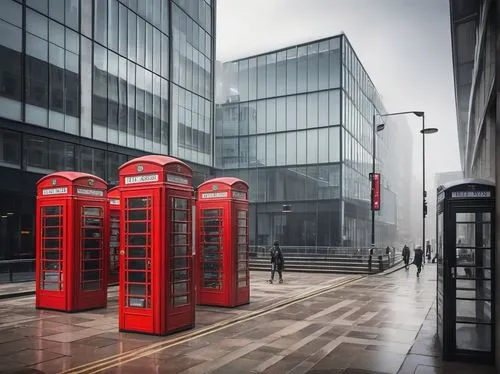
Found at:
[296, 123]
[87, 85]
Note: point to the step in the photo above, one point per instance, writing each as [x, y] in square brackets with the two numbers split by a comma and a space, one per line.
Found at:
[313, 266]
[327, 262]
[324, 271]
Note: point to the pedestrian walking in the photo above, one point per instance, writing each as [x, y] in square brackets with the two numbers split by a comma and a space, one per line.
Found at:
[277, 262]
[406, 256]
[418, 259]
[428, 250]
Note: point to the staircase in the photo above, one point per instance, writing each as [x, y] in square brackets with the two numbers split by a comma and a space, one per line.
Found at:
[329, 261]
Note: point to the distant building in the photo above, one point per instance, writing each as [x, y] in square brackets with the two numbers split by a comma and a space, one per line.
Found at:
[296, 123]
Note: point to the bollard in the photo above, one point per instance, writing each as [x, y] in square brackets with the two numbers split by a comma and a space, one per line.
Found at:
[380, 264]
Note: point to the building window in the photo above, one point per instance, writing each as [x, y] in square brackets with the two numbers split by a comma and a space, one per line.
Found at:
[10, 149]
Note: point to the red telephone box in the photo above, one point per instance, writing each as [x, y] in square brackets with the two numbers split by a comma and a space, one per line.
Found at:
[156, 287]
[222, 215]
[114, 235]
[71, 242]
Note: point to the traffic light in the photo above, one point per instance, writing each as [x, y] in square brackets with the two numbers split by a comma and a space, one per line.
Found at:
[425, 207]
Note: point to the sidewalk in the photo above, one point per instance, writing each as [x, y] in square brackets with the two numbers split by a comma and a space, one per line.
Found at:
[382, 324]
[8, 290]
[425, 354]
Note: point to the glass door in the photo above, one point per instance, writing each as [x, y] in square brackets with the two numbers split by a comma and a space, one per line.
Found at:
[243, 275]
[52, 243]
[473, 280]
[91, 265]
[114, 244]
[137, 247]
[211, 248]
[180, 242]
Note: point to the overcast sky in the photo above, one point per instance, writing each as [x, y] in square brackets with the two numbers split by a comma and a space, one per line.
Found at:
[403, 44]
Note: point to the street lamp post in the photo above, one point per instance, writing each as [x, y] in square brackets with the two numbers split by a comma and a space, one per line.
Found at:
[424, 132]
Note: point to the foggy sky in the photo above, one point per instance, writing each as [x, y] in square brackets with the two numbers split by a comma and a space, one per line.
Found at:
[404, 45]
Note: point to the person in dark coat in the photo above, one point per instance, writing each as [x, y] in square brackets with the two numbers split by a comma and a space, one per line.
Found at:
[418, 259]
[406, 256]
[277, 262]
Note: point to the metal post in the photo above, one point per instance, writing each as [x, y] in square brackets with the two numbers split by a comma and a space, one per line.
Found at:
[374, 134]
[423, 184]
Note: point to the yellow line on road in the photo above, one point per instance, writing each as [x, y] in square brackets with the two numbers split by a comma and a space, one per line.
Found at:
[122, 358]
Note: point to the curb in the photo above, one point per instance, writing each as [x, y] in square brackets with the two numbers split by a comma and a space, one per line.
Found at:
[16, 294]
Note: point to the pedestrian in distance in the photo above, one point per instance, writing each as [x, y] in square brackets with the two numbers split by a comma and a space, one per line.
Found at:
[406, 256]
[277, 262]
[418, 259]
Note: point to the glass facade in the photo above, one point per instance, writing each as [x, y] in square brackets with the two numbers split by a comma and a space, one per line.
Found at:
[296, 124]
[87, 85]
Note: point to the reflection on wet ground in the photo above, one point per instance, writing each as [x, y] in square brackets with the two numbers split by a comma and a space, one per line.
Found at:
[373, 325]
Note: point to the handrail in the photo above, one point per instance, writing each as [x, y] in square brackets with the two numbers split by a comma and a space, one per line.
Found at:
[16, 261]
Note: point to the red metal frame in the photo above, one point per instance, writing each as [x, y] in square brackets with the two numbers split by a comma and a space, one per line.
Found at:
[71, 245]
[114, 235]
[223, 275]
[156, 287]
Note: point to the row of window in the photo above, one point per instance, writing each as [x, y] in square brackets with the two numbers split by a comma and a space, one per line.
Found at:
[291, 148]
[299, 69]
[123, 32]
[191, 55]
[197, 140]
[52, 86]
[43, 155]
[67, 12]
[309, 225]
[186, 122]
[199, 10]
[355, 186]
[295, 112]
[358, 82]
[130, 104]
[313, 182]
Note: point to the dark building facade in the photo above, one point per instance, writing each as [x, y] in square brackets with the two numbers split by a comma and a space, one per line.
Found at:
[87, 85]
[474, 38]
[296, 123]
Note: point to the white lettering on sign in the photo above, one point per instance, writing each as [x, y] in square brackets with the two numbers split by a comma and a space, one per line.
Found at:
[55, 191]
[471, 194]
[147, 178]
[239, 195]
[176, 179]
[87, 191]
[214, 195]
[114, 201]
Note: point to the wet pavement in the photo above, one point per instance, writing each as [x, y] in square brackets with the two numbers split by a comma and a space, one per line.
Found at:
[16, 289]
[372, 325]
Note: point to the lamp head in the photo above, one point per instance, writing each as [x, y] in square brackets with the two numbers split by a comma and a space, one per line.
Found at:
[419, 114]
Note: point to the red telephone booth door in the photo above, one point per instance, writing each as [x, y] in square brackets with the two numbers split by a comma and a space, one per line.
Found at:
[242, 288]
[180, 296]
[211, 273]
[53, 259]
[140, 215]
[91, 280]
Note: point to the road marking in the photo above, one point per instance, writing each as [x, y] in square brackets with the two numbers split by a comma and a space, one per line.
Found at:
[122, 358]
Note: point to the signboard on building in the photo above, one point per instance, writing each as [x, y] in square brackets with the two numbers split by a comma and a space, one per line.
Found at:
[375, 177]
